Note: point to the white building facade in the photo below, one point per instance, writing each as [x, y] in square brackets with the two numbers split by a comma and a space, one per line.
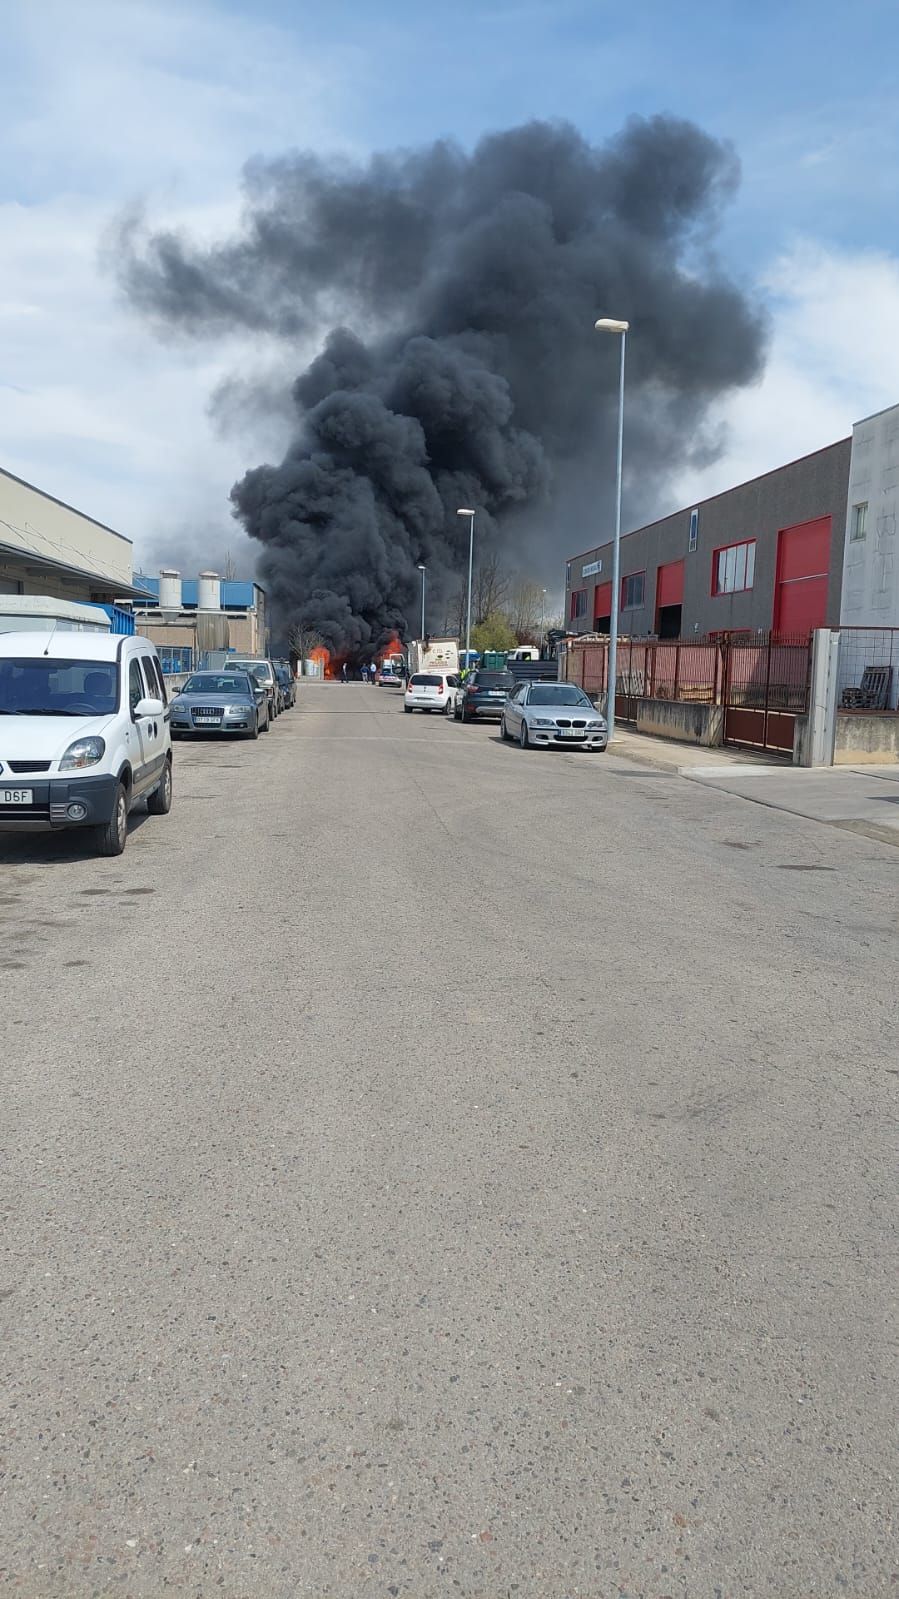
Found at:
[870, 595]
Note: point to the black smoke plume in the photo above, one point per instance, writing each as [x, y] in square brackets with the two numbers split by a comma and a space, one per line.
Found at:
[462, 368]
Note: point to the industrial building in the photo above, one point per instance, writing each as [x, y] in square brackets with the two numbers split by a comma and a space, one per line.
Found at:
[187, 619]
[766, 555]
[48, 548]
[811, 544]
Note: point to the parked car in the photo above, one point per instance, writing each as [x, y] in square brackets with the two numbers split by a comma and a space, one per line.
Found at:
[429, 691]
[557, 714]
[388, 678]
[84, 733]
[220, 702]
[484, 693]
[287, 685]
[264, 672]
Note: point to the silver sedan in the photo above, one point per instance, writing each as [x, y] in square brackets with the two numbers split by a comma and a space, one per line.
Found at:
[220, 702]
[556, 714]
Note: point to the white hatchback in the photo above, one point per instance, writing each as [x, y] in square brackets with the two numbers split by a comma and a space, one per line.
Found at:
[430, 691]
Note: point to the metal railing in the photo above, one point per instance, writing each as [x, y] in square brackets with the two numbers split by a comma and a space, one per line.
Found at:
[767, 672]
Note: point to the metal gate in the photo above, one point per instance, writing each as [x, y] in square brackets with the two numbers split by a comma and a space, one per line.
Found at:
[766, 686]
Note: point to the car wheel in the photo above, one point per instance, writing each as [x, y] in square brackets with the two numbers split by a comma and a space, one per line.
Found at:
[267, 723]
[112, 837]
[159, 802]
[523, 739]
[408, 709]
[457, 713]
[463, 715]
[254, 730]
[449, 709]
[503, 730]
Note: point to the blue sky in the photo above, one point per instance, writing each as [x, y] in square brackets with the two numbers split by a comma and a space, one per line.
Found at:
[109, 103]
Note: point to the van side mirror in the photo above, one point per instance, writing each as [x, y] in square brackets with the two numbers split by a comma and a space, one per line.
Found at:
[148, 707]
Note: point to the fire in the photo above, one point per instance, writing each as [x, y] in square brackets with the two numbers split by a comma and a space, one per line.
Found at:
[332, 665]
[394, 647]
[320, 653]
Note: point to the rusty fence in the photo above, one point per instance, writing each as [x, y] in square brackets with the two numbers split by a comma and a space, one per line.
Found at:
[761, 682]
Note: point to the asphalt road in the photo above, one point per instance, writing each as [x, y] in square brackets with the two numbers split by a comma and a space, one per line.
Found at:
[433, 1168]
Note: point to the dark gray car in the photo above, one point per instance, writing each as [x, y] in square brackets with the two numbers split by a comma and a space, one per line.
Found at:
[220, 702]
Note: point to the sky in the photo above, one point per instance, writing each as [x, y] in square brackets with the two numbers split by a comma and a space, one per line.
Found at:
[115, 107]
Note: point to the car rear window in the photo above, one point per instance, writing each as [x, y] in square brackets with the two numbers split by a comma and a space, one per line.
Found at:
[421, 678]
[493, 679]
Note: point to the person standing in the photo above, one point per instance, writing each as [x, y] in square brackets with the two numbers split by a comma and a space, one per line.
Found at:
[343, 673]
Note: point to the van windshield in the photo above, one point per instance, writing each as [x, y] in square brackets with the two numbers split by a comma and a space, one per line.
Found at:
[35, 686]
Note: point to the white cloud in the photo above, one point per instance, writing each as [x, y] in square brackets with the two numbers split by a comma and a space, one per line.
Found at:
[109, 104]
[835, 331]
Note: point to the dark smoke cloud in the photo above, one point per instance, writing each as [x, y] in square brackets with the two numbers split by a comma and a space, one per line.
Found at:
[462, 368]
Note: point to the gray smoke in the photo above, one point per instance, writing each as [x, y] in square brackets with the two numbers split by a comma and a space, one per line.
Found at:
[462, 368]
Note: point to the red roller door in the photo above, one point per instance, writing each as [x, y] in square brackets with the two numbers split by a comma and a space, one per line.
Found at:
[602, 601]
[803, 565]
[670, 584]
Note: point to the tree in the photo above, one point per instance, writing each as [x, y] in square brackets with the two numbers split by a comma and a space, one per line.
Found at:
[490, 589]
[523, 611]
[302, 639]
[493, 633]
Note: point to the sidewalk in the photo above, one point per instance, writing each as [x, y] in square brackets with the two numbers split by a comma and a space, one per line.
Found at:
[671, 756]
[860, 799]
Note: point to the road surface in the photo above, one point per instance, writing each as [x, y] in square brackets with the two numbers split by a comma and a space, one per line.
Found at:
[434, 1168]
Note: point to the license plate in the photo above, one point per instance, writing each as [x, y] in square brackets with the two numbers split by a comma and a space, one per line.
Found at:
[206, 716]
[571, 732]
[16, 796]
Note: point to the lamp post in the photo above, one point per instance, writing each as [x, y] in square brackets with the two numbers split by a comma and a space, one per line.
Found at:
[463, 511]
[542, 620]
[422, 570]
[611, 325]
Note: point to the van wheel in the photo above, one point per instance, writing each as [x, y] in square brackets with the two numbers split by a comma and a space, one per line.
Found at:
[111, 838]
[159, 802]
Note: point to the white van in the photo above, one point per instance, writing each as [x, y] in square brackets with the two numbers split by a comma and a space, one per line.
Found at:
[84, 733]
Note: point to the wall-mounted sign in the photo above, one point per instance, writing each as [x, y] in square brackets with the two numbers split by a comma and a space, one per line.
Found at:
[591, 568]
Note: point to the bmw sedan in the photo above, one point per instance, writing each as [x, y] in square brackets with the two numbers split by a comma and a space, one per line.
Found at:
[220, 702]
[553, 714]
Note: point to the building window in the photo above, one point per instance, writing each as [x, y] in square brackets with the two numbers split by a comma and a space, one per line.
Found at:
[567, 574]
[633, 589]
[578, 604]
[859, 522]
[733, 568]
[694, 531]
[176, 658]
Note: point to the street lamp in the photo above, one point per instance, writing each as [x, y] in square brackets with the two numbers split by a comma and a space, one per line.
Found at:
[422, 570]
[542, 620]
[611, 325]
[470, 514]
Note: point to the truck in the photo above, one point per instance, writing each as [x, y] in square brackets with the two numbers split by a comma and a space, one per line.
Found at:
[434, 654]
[533, 671]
